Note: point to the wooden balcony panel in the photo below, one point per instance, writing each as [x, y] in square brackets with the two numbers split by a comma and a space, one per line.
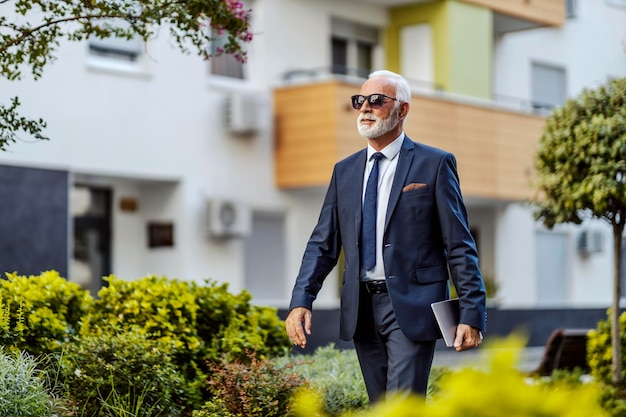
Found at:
[545, 12]
[305, 135]
[494, 148]
[348, 138]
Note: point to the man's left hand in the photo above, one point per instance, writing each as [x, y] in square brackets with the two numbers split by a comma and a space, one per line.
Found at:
[467, 337]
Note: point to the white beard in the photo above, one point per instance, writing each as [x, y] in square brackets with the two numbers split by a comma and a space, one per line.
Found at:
[380, 127]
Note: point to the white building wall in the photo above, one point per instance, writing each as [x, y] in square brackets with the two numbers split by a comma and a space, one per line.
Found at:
[156, 134]
[482, 219]
[295, 34]
[514, 254]
[592, 273]
[591, 46]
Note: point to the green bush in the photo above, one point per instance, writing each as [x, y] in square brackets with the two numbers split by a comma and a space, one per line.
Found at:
[493, 389]
[251, 388]
[195, 325]
[41, 312]
[599, 352]
[107, 372]
[233, 326]
[202, 323]
[335, 374]
[599, 357]
[23, 390]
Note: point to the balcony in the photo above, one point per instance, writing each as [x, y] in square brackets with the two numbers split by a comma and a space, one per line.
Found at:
[316, 127]
[509, 15]
[522, 14]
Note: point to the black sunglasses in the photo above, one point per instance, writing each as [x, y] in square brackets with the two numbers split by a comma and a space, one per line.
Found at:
[375, 101]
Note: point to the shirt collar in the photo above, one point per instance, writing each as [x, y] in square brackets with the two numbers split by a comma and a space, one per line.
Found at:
[390, 151]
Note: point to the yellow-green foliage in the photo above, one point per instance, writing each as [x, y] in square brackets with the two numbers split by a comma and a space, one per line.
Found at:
[599, 352]
[192, 317]
[495, 389]
[599, 357]
[156, 306]
[196, 323]
[201, 322]
[40, 312]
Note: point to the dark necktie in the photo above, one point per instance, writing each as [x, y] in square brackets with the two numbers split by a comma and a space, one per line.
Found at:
[368, 225]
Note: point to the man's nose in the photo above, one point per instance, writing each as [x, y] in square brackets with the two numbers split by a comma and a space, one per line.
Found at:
[365, 107]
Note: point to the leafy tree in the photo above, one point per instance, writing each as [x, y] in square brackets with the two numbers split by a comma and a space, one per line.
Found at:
[581, 173]
[31, 32]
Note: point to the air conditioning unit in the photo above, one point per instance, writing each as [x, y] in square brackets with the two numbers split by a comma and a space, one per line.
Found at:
[228, 219]
[590, 241]
[242, 113]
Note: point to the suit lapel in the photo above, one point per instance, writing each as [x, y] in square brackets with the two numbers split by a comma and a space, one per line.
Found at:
[357, 190]
[405, 159]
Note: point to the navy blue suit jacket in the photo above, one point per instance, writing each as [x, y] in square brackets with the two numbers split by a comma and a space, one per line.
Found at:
[426, 240]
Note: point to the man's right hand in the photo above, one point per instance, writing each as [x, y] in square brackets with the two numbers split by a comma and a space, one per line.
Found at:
[297, 323]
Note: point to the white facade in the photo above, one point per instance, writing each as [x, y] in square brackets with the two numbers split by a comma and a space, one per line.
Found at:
[153, 132]
[590, 49]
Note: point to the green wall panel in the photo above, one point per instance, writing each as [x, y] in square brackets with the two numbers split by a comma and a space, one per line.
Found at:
[462, 43]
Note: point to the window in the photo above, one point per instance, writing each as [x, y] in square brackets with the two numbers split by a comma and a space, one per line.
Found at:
[571, 7]
[224, 64]
[340, 55]
[265, 261]
[91, 255]
[117, 48]
[548, 86]
[551, 261]
[617, 3]
[417, 58]
[352, 47]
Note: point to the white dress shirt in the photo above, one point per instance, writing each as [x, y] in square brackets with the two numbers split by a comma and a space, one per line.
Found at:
[386, 173]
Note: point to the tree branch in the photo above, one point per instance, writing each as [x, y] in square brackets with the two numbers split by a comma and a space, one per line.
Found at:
[29, 32]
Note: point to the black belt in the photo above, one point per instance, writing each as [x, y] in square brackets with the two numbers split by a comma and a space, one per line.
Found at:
[376, 287]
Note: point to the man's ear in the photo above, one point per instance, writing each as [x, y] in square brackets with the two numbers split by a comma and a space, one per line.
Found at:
[404, 110]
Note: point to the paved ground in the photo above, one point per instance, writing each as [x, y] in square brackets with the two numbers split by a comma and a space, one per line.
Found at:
[530, 358]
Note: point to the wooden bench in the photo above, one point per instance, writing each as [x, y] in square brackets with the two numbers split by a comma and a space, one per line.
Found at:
[565, 349]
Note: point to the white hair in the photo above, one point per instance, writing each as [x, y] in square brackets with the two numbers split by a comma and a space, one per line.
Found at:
[403, 89]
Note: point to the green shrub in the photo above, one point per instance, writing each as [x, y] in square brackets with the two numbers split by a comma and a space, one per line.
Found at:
[23, 391]
[251, 388]
[494, 389]
[43, 311]
[202, 323]
[233, 326]
[195, 324]
[600, 356]
[599, 352]
[437, 374]
[106, 372]
[214, 408]
[335, 374]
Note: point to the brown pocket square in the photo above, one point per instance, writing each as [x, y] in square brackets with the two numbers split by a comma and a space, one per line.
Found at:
[413, 186]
